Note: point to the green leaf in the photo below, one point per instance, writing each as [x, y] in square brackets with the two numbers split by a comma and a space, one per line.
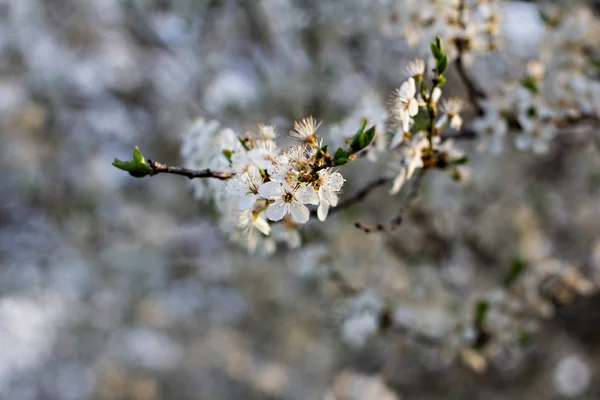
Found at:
[442, 64]
[324, 148]
[136, 167]
[515, 269]
[341, 157]
[441, 81]
[460, 161]
[481, 310]
[243, 143]
[530, 83]
[362, 139]
[437, 50]
[138, 157]
[438, 42]
[228, 154]
[437, 53]
[363, 125]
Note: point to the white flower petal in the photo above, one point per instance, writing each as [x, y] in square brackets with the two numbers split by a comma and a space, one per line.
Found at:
[270, 190]
[236, 187]
[247, 201]
[398, 182]
[413, 107]
[437, 93]
[307, 195]
[333, 199]
[299, 212]
[323, 210]
[456, 122]
[408, 89]
[277, 210]
[336, 181]
[262, 225]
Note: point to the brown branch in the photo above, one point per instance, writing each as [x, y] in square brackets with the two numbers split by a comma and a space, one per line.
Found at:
[158, 168]
[341, 283]
[394, 223]
[361, 194]
[474, 92]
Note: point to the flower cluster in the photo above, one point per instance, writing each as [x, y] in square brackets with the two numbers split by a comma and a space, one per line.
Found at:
[269, 185]
[559, 86]
[471, 24]
[417, 124]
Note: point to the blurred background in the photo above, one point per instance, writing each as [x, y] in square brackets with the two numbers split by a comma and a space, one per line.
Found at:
[118, 288]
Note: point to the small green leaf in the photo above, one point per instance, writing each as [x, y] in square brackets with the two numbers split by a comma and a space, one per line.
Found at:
[437, 50]
[138, 157]
[136, 167]
[369, 135]
[438, 42]
[441, 81]
[363, 125]
[228, 154]
[243, 143]
[324, 148]
[481, 310]
[341, 157]
[362, 139]
[437, 53]
[530, 83]
[515, 269]
[460, 161]
[442, 64]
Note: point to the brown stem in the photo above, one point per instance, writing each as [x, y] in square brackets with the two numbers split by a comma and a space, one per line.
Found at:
[158, 168]
[361, 194]
[394, 223]
[474, 92]
[341, 283]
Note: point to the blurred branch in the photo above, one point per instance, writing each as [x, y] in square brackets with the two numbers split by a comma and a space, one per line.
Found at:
[361, 194]
[341, 283]
[393, 224]
[474, 92]
[158, 168]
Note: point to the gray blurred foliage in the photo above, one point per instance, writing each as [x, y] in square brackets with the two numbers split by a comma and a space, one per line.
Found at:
[117, 288]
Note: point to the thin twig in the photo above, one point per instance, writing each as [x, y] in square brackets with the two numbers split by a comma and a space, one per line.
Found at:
[394, 223]
[361, 194]
[158, 168]
[475, 93]
[341, 283]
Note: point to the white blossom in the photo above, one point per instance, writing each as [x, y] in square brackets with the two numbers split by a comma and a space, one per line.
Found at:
[436, 94]
[329, 183]
[451, 108]
[248, 220]
[404, 104]
[245, 186]
[305, 129]
[288, 200]
[264, 153]
[409, 160]
[416, 68]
